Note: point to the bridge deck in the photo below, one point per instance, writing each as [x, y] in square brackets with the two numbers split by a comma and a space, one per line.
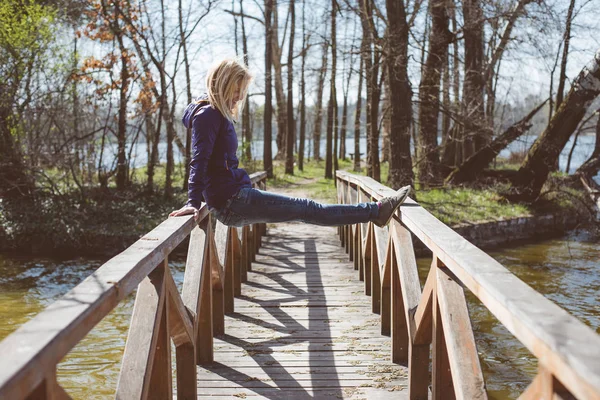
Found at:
[303, 327]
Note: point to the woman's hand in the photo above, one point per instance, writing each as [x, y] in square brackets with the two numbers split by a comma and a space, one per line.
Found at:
[185, 210]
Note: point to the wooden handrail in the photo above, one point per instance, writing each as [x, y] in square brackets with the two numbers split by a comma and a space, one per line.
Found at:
[216, 260]
[568, 351]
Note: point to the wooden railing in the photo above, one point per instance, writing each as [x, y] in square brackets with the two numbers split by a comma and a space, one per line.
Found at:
[217, 263]
[435, 319]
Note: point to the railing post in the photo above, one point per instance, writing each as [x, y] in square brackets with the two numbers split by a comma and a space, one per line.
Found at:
[398, 325]
[216, 279]
[375, 273]
[386, 290]
[441, 378]
[229, 282]
[144, 369]
[243, 236]
[236, 249]
[49, 389]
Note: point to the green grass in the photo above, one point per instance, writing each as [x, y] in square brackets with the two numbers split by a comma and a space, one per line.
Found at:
[459, 205]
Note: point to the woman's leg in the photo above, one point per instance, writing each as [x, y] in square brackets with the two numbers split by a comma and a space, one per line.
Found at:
[252, 206]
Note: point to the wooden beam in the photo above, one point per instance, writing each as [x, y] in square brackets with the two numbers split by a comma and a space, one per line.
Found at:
[229, 276]
[460, 343]
[236, 249]
[400, 337]
[424, 313]
[408, 273]
[143, 338]
[386, 291]
[161, 377]
[181, 318]
[375, 274]
[217, 279]
[441, 378]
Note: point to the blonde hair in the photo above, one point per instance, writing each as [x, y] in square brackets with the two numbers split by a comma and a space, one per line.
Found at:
[222, 80]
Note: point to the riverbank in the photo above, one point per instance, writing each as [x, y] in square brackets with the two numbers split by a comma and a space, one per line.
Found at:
[108, 221]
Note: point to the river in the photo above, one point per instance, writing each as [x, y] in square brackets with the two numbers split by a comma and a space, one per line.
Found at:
[567, 271]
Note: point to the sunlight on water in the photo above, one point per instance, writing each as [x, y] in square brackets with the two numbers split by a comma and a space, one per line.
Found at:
[566, 271]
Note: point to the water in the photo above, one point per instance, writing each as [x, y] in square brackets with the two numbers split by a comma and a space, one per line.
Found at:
[566, 271]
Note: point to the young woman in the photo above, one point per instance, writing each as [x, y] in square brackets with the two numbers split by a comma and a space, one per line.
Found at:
[216, 179]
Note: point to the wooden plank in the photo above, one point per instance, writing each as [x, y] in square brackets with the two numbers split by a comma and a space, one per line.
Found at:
[399, 327]
[229, 276]
[525, 313]
[204, 318]
[460, 343]
[367, 256]
[421, 334]
[217, 279]
[409, 275]
[142, 341]
[185, 355]
[197, 293]
[181, 319]
[70, 318]
[441, 378]
[236, 249]
[49, 389]
[161, 378]
[386, 290]
[375, 274]
[541, 387]
[258, 178]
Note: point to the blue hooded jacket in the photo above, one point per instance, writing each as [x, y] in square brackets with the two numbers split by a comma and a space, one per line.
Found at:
[214, 173]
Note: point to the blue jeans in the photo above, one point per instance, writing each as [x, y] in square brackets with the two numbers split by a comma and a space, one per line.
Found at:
[251, 206]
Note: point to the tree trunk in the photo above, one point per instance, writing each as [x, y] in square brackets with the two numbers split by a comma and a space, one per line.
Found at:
[268, 115]
[386, 123]
[475, 164]
[302, 94]
[319, 106]
[476, 135]
[289, 155]
[279, 95]
[401, 172]
[122, 121]
[246, 129]
[429, 95]
[371, 66]
[357, 119]
[591, 167]
[332, 105]
[188, 81]
[452, 151]
[545, 151]
[563, 65]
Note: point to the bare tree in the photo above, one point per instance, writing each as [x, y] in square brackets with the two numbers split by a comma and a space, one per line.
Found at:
[289, 156]
[544, 152]
[429, 93]
[267, 151]
[319, 103]
[332, 105]
[401, 172]
[357, 118]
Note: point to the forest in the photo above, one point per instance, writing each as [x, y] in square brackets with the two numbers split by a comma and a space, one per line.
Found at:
[431, 92]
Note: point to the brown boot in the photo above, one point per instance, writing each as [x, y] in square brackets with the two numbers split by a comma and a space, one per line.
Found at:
[389, 205]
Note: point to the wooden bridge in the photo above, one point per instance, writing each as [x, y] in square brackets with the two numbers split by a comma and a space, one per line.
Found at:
[301, 318]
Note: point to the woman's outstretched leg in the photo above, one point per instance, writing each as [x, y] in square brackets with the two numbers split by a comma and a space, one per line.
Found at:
[252, 206]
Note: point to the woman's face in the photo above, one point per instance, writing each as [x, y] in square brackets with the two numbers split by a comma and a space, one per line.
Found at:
[237, 94]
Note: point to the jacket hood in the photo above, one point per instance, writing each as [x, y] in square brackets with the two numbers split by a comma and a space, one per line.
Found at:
[192, 108]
